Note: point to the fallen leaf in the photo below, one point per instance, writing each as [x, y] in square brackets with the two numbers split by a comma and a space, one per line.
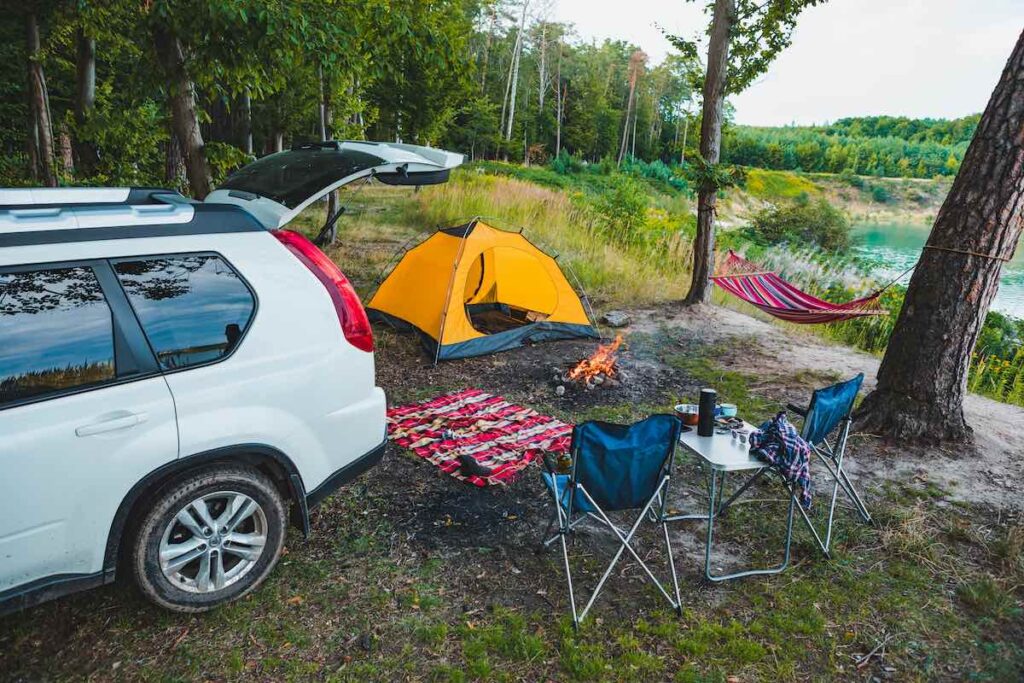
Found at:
[295, 600]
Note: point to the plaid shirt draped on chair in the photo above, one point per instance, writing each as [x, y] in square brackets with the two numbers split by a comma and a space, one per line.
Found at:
[779, 444]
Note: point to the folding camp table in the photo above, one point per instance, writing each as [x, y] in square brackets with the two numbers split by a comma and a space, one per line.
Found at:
[721, 454]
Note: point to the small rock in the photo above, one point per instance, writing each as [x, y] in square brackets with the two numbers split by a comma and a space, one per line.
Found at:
[615, 319]
[560, 390]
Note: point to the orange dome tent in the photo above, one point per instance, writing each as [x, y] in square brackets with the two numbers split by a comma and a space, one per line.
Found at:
[472, 289]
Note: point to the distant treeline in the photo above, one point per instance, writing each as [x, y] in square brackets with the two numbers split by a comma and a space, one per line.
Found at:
[872, 145]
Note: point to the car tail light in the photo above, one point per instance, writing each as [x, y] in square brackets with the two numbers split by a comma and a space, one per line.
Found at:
[351, 314]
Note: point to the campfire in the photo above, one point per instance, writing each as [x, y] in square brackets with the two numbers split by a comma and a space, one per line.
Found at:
[598, 369]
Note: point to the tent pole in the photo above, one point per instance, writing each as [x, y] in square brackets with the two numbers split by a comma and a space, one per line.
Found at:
[448, 297]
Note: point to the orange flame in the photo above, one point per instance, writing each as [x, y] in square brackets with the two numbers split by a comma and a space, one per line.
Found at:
[601, 361]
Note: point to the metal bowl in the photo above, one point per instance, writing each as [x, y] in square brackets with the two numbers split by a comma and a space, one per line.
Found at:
[687, 412]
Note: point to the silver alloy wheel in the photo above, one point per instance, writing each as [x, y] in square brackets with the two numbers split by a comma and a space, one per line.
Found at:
[213, 542]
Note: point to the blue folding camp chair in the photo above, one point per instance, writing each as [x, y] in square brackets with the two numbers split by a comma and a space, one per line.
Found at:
[828, 412]
[615, 468]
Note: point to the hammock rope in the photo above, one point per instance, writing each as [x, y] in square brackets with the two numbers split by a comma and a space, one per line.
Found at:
[768, 292]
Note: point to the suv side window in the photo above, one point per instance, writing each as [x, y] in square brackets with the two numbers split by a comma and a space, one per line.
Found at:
[194, 308]
[56, 332]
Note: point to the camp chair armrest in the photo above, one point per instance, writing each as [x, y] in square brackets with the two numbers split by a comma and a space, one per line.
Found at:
[802, 412]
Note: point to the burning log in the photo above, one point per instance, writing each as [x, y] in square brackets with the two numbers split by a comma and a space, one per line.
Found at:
[598, 369]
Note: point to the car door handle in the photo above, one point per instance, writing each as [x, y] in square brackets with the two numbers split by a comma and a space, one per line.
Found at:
[112, 423]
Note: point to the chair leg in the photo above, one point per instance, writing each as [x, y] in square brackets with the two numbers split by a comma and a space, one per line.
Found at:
[672, 568]
[624, 541]
[807, 521]
[568, 578]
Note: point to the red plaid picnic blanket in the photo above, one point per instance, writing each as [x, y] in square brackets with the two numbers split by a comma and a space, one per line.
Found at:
[499, 435]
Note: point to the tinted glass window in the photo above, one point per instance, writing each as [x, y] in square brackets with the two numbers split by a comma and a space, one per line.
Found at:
[292, 177]
[194, 309]
[56, 332]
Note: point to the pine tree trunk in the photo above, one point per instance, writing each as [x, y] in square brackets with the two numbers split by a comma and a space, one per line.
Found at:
[710, 149]
[39, 107]
[184, 114]
[85, 100]
[923, 376]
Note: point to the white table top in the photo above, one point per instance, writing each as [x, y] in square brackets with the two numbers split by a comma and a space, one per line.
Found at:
[722, 452]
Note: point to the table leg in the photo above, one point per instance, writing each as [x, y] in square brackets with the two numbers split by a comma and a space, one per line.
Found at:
[715, 488]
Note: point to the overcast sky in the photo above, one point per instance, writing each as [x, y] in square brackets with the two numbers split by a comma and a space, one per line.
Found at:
[938, 58]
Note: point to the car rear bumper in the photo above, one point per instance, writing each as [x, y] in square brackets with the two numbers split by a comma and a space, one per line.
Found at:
[346, 474]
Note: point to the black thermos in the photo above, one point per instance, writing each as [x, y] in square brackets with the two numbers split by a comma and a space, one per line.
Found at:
[706, 412]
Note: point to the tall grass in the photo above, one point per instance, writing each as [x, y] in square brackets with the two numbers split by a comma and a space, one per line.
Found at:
[997, 377]
[634, 267]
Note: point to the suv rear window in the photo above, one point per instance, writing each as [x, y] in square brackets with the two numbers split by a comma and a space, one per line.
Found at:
[292, 177]
[56, 332]
[193, 308]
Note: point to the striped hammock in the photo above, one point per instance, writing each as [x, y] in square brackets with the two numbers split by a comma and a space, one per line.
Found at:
[773, 295]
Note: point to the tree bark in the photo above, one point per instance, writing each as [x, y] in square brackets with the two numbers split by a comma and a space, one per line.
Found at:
[329, 231]
[923, 376]
[710, 149]
[39, 107]
[64, 147]
[247, 123]
[85, 100]
[174, 168]
[559, 104]
[184, 114]
[487, 50]
[513, 76]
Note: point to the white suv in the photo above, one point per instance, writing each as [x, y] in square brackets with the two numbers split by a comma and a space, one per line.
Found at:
[179, 380]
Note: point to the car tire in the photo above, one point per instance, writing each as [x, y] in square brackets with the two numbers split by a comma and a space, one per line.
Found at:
[208, 538]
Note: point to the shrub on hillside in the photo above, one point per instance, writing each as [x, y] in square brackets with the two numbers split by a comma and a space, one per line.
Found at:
[565, 164]
[622, 208]
[803, 221]
[880, 194]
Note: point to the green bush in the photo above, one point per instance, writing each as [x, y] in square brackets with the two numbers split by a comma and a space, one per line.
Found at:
[803, 221]
[880, 194]
[622, 208]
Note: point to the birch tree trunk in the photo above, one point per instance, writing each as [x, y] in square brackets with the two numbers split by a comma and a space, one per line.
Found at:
[514, 73]
[184, 113]
[558, 101]
[487, 50]
[542, 75]
[710, 149]
[39, 107]
[923, 376]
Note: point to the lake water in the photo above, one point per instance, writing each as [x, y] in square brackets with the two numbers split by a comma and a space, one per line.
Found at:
[897, 246]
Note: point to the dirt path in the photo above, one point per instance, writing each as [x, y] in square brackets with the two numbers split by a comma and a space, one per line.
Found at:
[992, 471]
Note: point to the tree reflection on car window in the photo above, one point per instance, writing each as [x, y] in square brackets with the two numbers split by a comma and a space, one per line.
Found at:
[194, 309]
[56, 332]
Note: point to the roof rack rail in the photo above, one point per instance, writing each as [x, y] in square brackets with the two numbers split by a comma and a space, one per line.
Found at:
[40, 197]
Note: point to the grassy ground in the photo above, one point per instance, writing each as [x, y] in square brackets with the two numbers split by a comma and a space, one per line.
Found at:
[410, 575]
